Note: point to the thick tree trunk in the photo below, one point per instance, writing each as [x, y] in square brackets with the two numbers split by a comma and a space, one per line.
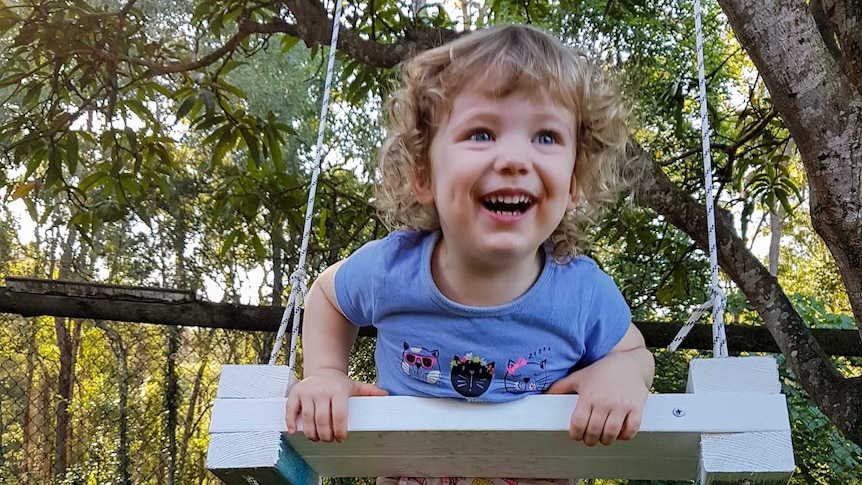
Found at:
[822, 108]
[838, 397]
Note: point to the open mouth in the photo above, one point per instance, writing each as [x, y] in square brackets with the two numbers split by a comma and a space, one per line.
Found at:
[508, 204]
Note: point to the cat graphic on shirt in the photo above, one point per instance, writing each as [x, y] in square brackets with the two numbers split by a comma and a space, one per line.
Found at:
[420, 363]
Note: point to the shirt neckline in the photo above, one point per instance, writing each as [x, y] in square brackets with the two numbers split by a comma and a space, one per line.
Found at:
[454, 307]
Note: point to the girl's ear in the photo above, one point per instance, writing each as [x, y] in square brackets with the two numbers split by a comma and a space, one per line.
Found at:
[573, 194]
[422, 186]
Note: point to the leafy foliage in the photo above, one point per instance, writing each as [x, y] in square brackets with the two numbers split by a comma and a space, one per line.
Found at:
[178, 139]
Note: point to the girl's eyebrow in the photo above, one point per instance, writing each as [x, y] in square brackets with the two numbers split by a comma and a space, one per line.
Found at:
[477, 115]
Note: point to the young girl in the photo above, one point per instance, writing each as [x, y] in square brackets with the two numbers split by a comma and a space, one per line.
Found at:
[503, 145]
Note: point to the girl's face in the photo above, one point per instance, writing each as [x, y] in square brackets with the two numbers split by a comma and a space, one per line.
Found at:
[502, 175]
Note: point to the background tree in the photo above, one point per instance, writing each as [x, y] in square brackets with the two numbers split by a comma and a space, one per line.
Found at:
[175, 138]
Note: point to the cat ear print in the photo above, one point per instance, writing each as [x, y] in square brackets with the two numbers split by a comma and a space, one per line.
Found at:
[542, 364]
[435, 353]
[406, 346]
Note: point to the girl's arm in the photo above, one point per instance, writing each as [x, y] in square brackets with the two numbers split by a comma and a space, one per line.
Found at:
[327, 336]
[611, 392]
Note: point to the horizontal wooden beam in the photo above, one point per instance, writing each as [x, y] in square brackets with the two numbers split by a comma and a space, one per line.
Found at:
[142, 305]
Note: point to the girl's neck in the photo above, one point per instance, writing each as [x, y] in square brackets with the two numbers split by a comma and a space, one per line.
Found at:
[483, 284]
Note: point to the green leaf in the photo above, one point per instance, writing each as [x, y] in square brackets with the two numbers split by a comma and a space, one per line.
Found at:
[321, 228]
[224, 145]
[230, 65]
[259, 250]
[73, 155]
[287, 43]
[132, 138]
[274, 145]
[93, 180]
[252, 144]
[249, 207]
[229, 241]
[130, 185]
[208, 100]
[186, 106]
[31, 96]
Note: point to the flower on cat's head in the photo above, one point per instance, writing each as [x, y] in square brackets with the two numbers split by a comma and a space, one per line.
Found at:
[513, 366]
[474, 359]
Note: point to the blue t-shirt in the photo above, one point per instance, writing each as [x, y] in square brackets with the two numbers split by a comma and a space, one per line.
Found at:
[431, 346]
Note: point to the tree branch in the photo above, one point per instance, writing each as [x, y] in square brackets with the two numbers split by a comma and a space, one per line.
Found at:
[197, 313]
[823, 113]
[838, 397]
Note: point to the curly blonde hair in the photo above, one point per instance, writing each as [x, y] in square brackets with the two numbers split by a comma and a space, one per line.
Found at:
[516, 58]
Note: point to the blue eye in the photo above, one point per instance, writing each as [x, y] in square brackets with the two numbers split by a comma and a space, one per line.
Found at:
[480, 135]
[546, 138]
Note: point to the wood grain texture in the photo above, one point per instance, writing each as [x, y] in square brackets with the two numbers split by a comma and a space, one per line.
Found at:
[735, 425]
[753, 457]
[257, 458]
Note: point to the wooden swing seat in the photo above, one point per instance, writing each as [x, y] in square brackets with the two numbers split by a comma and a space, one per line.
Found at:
[731, 427]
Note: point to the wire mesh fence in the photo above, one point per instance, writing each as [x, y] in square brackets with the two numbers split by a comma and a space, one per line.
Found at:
[96, 402]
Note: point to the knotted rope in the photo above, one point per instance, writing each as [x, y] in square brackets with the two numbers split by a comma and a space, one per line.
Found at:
[298, 288]
[718, 299]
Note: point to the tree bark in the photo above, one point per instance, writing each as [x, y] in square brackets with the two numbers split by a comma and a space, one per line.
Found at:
[122, 363]
[839, 398]
[172, 400]
[189, 424]
[65, 374]
[30, 409]
[845, 19]
[822, 108]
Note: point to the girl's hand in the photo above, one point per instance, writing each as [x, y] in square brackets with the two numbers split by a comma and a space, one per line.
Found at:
[322, 401]
[611, 399]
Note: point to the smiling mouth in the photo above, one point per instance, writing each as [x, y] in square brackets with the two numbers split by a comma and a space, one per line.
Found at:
[508, 204]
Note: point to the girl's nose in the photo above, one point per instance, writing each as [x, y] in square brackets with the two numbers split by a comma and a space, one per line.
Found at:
[513, 157]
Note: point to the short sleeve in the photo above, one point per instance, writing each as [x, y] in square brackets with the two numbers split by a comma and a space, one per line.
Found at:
[608, 318]
[355, 284]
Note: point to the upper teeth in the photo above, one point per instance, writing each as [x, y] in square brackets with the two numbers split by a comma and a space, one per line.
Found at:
[508, 199]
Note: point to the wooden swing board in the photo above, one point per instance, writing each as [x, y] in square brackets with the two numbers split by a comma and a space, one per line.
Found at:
[399, 435]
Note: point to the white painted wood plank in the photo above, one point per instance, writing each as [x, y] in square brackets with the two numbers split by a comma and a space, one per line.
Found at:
[243, 450]
[729, 456]
[753, 457]
[527, 438]
[712, 413]
[443, 437]
[734, 374]
[252, 381]
[259, 458]
[536, 466]
[508, 445]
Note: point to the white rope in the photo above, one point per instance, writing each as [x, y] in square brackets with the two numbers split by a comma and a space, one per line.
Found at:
[718, 300]
[298, 288]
